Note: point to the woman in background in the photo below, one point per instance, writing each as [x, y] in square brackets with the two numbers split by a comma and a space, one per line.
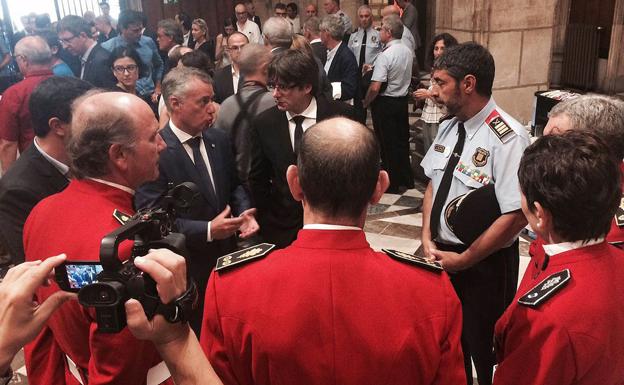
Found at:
[199, 30]
[221, 54]
[432, 112]
[127, 68]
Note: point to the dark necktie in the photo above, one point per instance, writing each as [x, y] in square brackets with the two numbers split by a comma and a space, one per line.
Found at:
[362, 52]
[201, 167]
[445, 184]
[298, 131]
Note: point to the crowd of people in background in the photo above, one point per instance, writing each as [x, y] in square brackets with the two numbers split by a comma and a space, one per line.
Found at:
[268, 118]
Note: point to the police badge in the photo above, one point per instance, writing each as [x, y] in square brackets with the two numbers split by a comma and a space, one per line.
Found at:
[374, 39]
[480, 157]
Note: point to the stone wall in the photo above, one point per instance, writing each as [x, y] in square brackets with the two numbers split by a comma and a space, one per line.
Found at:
[519, 34]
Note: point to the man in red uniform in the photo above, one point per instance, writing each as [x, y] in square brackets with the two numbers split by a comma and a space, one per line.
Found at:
[329, 309]
[604, 116]
[33, 56]
[565, 323]
[114, 148]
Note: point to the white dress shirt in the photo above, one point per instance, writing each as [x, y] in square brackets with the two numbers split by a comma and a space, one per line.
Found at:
[558, 248]
[61, 167]
[310, 119]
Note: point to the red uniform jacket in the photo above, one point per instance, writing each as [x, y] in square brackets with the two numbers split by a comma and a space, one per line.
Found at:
[576, 335]
[330, 310]
[74, 222]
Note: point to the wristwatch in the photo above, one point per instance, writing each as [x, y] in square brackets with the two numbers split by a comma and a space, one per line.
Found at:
[6, 378]
[182, 308]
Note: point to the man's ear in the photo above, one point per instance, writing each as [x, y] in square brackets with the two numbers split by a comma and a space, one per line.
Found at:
[544, 218]
[469, 84]
[57, 127]
[383, 181]
[292, 177]
[118, 155]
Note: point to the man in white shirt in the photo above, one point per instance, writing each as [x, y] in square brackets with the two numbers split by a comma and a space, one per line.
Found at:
[245, 26]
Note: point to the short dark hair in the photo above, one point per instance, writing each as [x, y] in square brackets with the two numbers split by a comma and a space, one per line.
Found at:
[469, 59]
[75, 25]
[200, 60]
[577, 179]
[53, 98]
[293, 6]
[130, 52]
[294, 68]
[128, 17]
[51, 38]
[279, 6]
[185, 20]
[337, 177]
[449, 41]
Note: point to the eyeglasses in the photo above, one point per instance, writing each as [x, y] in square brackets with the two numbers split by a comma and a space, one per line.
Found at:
[121, 69]
[280, 13]
[67, 40]
[280, 87]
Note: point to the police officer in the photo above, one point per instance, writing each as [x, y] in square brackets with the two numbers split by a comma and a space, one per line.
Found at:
[389, 106]
[365, 45]
[564, 326]
[480, 145]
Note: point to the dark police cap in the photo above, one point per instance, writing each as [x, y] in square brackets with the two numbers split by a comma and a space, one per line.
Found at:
[469, 215]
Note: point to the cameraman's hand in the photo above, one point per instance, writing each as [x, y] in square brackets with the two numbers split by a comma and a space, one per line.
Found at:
[169, 271]
[249, 226]
[224, 226]
[21, 318]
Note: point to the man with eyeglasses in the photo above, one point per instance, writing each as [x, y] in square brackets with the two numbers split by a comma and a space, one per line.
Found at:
[227, 79]
[33, 57]
[245, 26]
[75, 35]
[275, 137]
[131, 27]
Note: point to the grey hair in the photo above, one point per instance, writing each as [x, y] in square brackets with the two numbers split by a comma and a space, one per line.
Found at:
[178, 81]
[333, 25]
[252, 57]
[172, 29]
[394, 25]
[278, 31]
[364, 7]
[313, 25]
[34, 49]
[602, 115]
[93, 134]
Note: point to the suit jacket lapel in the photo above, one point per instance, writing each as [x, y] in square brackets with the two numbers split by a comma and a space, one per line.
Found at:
[178, 152]
[57, 180]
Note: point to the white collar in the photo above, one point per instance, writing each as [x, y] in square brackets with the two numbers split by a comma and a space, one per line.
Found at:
[558, 248]
[332, 51]
[172, 48]
[474, 123]
[88, 52]
[317, 40]
[62, 167]
[182, 136]
[309, 113]
[115, 185]
[323, 226]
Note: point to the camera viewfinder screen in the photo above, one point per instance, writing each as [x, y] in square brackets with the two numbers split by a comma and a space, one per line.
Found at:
[82, 275]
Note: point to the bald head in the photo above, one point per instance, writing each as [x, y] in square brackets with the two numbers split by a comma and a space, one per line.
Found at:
[389, 10]
[339, 167]
[100, 121]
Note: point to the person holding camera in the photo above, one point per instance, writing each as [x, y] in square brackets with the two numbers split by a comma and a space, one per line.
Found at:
[114, 148]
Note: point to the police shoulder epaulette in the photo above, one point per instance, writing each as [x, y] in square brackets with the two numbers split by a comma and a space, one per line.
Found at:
[545, 289]
[243, 256]
[500, 128]
[619, 214]
[121, 217]
[413, 259]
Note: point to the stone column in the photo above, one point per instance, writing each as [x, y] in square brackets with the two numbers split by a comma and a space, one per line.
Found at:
[615, 65]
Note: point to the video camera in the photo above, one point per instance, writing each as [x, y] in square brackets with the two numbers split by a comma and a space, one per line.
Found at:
[118, 281]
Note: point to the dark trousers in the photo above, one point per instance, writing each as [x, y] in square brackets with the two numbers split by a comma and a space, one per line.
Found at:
[391, 124]
[484, 290]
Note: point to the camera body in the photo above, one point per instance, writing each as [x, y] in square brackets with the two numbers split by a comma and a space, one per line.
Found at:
[150, 228]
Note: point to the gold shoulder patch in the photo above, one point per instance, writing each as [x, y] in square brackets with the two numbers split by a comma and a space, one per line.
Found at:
[413, 259]
[499, 126]
[245, 255]
[121, 217]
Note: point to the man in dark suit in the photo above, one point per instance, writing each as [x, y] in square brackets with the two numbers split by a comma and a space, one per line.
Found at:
[75, 35]
[341, 65]
[312, 32]
[204, 157]
[275, 135]
[42, 169]
[227, 79]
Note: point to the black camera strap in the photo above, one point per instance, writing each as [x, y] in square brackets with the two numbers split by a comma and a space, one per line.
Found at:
[179, 310]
